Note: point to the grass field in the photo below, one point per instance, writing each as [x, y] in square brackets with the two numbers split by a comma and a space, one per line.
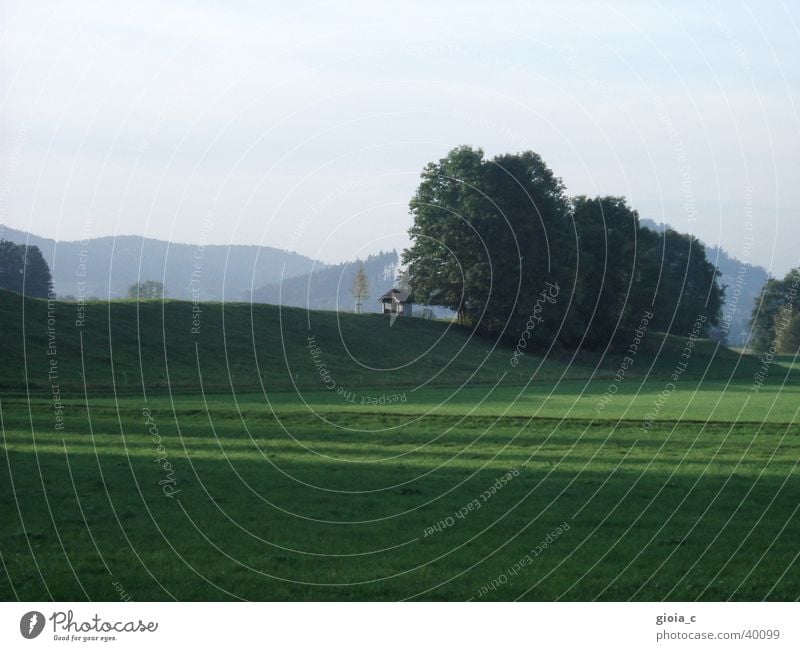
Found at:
[222, 464]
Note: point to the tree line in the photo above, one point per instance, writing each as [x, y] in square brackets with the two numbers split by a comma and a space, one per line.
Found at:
[775, 322]
[490, 237]
[24, 270]
[501, 243]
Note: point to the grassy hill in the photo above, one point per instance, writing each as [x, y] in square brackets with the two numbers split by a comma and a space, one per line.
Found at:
[123, 345]
[127, 346]
[166, 483]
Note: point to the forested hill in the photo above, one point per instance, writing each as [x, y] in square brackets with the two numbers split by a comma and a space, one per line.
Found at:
[109, 265]
[743, 282]
[330, 288]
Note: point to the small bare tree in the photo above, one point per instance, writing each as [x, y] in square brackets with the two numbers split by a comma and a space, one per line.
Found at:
[360, 288]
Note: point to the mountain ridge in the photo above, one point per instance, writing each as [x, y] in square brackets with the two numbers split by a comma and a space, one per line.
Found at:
[106, 266]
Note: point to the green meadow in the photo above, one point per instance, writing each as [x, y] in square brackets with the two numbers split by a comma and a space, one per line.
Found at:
[265, 453]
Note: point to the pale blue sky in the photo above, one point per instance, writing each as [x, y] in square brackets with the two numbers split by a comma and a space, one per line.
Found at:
[305, 125]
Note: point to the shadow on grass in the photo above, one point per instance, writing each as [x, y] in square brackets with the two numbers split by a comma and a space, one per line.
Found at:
[255, 531]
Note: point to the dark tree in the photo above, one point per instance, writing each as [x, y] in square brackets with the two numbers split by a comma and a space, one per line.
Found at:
[11, 267]
[775, 321]
[678, 281]
[607, 300]
[37, 273]
[487, 236]
[535, 213]
[23, 270]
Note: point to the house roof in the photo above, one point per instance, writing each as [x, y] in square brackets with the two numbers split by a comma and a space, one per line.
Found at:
[395, 294]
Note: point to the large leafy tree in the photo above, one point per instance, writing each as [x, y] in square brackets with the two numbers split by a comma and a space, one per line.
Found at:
[607, 301]
[536, 211]
[446, 246]
[487, 235]
[23, 269]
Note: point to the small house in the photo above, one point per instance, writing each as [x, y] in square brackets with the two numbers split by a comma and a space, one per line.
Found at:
[396, 302]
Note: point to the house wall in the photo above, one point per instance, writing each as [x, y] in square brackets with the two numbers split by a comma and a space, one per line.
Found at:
[388, 308]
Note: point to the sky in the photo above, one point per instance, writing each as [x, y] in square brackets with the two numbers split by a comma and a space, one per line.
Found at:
[305, 125]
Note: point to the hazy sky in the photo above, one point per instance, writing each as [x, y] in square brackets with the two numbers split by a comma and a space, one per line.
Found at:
[306, 125]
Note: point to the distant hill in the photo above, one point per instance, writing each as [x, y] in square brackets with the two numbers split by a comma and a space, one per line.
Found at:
[329, 288]
[743, 281]
[109, 265]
